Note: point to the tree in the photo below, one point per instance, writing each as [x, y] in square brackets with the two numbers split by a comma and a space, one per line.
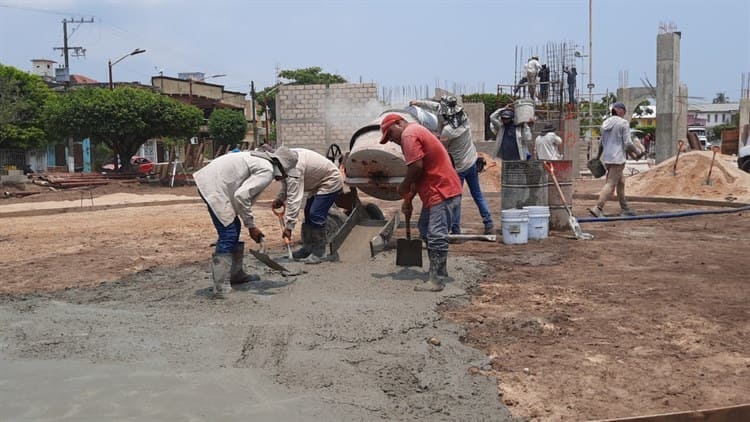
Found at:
[644, 107]
[123, 118]
[310, 76]
[720, 98]
[307, 76]
[228, 127]
[22, 99]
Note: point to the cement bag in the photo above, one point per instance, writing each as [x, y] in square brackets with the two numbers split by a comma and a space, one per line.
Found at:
[423, 117]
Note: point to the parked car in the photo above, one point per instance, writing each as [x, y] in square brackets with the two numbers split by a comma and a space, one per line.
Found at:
[141, 165]
[743, 158]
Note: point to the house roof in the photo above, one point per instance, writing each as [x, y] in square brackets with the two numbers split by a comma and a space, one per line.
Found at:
[82, 80]
[714, 108]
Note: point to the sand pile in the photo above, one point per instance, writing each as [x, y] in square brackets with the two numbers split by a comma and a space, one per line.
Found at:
[489, 179]
[728, 183]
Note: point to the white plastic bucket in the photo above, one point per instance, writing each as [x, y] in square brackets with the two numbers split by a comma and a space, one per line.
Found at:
[538, 222]
[524, 111]
[515, 226]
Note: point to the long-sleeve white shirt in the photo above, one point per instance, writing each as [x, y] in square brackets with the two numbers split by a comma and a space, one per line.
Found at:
[231, 183]
[313, 175]
[546, 146]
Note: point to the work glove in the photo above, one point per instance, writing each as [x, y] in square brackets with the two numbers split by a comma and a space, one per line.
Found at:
[255, 234]
[287, 234]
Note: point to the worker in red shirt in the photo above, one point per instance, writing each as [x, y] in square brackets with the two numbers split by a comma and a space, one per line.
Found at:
[431, 175]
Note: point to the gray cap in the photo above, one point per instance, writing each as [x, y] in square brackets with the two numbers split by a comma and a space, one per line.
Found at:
[286, 158]
[619, 105]
[507, 114]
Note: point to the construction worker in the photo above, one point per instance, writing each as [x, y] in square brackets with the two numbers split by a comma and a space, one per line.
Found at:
[513, 141]
[455, 135]
[431, 175]
[318, 179]
[615, 145]
[532, 68]
[546, 144]
[229, 185]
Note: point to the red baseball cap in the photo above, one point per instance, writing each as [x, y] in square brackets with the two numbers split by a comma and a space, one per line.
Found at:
[388, 121]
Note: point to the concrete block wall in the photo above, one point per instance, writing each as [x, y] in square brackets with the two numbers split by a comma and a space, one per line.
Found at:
[316, 116]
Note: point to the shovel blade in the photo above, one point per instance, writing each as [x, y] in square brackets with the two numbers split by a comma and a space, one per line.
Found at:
[577, 230]
[409, 252]
[260, 256]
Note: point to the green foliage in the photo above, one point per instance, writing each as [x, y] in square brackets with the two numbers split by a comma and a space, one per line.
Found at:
[123, 118]
[306, 76]
[491, 103]
[311, 76]
[644, 107]
[647, 129]
[720, 98]
[227, 127]
[22, 98]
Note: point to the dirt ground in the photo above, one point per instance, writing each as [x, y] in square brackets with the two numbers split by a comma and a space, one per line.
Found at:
[650, 316]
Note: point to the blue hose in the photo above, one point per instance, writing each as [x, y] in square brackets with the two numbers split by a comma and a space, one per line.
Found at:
[662, 215]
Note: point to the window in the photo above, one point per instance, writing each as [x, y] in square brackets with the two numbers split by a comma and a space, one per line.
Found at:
[723, 118]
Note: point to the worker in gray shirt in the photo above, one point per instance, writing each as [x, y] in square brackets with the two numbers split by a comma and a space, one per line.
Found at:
[455, 135]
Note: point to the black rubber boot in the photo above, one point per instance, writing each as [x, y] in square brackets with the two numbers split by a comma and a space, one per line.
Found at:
[306, 249]
[435, 282]
[317, 246]
[238, 274]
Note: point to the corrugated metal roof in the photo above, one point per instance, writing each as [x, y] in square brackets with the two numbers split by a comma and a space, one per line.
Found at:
[714, 108]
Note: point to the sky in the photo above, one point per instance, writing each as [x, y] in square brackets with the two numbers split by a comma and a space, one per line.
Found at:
[466, 45]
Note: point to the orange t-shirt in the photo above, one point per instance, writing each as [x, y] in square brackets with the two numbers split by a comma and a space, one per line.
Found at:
[439, 179]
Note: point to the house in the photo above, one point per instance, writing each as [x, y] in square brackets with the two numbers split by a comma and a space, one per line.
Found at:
[647, 117]
[713, 114]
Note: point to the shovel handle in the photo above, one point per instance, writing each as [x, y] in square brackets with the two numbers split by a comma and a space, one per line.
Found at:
[407, 222]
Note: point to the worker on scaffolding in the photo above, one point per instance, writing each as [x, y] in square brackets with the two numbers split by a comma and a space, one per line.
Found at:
[572, 74]
[543, 83]
[532, 68]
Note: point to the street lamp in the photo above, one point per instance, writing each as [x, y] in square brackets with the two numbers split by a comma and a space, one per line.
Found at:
[110, 63]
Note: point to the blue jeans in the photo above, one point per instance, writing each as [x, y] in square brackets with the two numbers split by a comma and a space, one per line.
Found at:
[316, 208]
[435, 221]
[229, 236]
[472, 179]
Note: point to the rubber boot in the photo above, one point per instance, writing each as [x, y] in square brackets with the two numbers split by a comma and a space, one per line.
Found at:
[238, 274]
[221, 267]
[317, 246]
[306, 248]
[435, 282]
[441, 259]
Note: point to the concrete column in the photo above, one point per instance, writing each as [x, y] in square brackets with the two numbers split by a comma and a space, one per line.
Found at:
[667, 95]
[570, 134]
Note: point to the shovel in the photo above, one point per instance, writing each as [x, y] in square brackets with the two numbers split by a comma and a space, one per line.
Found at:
[261, 256]
[408, 251]
[680, 143]
[280, 215]
[571, 219]
[715, 149]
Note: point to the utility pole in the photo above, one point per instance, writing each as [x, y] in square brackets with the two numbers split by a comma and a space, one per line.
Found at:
[590, 86]
[78, 51]
[252, 106]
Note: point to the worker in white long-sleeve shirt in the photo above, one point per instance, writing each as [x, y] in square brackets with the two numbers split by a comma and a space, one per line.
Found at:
[318, 179]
